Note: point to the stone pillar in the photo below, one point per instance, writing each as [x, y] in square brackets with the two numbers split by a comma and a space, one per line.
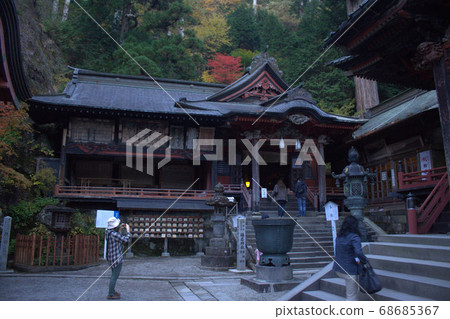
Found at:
[322, 174]
[241, 243]
[6, 231]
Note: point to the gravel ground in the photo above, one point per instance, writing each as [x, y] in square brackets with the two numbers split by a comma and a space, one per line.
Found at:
[141, 279]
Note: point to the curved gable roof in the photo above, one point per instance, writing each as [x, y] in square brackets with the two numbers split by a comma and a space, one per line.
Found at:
[11, 69]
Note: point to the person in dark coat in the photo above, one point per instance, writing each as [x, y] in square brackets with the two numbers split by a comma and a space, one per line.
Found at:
[349, 256]
[300, 193]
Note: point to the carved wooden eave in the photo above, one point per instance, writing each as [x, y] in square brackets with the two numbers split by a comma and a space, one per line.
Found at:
[394, 41]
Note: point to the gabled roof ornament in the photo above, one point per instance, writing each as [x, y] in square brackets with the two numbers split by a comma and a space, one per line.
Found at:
[299, 93]
[262, 58]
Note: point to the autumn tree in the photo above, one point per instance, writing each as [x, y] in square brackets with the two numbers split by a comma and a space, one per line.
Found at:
[18, 149]
[224, 68]
[213, 31]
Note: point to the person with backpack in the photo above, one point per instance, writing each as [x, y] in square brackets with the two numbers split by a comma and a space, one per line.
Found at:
[300, 193]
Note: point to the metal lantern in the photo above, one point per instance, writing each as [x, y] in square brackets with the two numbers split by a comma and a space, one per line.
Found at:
[355, 180]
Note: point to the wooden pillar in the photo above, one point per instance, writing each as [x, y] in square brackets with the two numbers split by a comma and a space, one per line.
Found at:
[442, 84]
[322, 174]
[366, 92]
[255, 185]
[62, 163]
[213, 174]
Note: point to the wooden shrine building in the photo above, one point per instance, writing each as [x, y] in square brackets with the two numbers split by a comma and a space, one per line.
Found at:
[406, 140]
[98, 113]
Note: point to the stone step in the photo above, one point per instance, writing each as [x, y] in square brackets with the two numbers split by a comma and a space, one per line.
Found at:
[427, 268]
[319, 295]
[313, 253]
[312, 259]
[426, 252]
[436, 289]
[303, 265]
[439, 240]
[337, 286]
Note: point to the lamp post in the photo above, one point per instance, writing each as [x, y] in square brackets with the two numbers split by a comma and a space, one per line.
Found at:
[355, 180]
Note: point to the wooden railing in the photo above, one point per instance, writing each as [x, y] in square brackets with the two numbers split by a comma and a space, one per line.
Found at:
[40, 251]
[429, 177]
[110, 192]
[313, 194]
[246, 195]
[433, 206]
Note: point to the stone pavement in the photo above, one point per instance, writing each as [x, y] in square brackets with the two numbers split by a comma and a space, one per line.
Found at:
[141, 279]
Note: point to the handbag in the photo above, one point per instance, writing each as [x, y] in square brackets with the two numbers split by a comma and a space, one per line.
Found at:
[368, 280]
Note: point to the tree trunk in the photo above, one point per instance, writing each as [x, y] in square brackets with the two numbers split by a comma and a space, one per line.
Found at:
[66, 10]
[55, 9]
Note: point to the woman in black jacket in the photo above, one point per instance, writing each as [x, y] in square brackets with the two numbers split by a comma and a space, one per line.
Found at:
[349, 256]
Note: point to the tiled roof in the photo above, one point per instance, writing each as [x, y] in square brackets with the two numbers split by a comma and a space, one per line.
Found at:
[420, 102]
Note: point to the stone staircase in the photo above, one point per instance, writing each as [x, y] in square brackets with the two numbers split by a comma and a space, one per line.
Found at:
[410, 267]
[313, 241]
[306, 253]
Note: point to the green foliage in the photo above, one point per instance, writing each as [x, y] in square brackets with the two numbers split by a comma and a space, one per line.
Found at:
[333, 91]
[243, 28]
[84, 223]
[24, 212]
[43, 182]
[245, 55]
[294, 30]
[387, 90]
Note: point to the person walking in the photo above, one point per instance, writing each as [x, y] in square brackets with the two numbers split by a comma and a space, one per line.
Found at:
[114, 252]
[300, 193]
[349, 256]
[280, 195]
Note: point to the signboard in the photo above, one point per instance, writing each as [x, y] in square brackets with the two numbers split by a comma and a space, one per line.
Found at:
[331, 211]
[103, 216]
[241, 249]
[425, 160]
[102, 221]
[263, 192]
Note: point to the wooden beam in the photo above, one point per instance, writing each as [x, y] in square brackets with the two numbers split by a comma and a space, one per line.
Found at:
[442, 83]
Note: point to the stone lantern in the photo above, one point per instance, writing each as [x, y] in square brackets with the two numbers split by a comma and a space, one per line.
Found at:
[218, 255]
[355, 188]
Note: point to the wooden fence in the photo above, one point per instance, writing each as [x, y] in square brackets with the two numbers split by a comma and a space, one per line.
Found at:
[46, 251]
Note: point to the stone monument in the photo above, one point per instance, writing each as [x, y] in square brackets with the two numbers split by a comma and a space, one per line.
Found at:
[218, 255]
